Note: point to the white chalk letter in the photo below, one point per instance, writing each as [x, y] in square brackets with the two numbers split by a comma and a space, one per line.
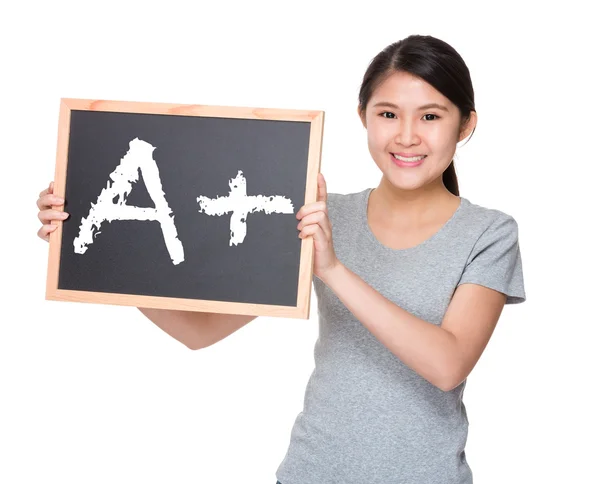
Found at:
[241, 205]
[138, 158]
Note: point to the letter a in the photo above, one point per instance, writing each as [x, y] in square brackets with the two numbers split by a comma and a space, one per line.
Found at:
[138, 158]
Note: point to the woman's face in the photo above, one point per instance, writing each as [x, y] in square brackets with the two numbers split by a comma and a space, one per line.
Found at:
[398, 123]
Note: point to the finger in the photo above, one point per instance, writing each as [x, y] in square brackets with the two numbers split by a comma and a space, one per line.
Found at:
[45, 231]
[48, 190]
[315, 230]
[319, 218]
[310, 208]
[48, 201]
[321, 188]
[46, 216]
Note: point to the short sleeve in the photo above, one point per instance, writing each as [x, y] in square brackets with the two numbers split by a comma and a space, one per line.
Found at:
[495, 260]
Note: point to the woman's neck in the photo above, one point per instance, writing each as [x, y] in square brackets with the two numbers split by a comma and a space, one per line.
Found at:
[412, 206]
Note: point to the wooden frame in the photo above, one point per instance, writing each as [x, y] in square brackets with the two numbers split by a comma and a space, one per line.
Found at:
[302, 308]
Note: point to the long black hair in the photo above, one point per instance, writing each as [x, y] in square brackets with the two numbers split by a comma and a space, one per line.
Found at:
[438, 64]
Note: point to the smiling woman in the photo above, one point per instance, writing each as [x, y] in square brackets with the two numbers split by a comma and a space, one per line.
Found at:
[411, 280]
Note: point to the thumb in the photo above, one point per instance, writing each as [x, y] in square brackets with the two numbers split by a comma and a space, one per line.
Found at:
[322, 188]
[51, 187]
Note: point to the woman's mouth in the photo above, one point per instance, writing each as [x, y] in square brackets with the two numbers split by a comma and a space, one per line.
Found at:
[407, 162]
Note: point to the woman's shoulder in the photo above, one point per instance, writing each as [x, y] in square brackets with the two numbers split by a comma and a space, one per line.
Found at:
[486, 212]
[485, 218]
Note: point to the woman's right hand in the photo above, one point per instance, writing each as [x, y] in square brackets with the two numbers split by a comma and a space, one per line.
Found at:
[47, 214]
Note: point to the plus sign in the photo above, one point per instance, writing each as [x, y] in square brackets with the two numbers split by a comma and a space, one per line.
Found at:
[240, 205]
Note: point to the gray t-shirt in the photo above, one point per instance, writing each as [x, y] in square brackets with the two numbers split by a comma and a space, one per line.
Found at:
[367, 417]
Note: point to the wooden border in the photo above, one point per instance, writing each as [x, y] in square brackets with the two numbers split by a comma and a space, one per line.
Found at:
[302, 308]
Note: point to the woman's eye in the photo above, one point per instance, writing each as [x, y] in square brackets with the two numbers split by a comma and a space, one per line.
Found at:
[392, 115]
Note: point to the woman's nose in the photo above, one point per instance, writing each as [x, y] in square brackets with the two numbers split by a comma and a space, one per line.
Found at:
[407, 135]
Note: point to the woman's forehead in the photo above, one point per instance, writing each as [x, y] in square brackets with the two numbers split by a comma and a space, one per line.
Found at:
[402, 90]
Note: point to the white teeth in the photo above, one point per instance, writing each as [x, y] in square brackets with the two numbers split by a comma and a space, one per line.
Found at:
[409, 160]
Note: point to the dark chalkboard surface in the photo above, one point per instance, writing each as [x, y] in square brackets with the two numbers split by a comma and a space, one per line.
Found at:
[184, 206]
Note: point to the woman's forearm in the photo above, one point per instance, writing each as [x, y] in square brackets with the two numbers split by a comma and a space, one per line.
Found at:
[195, 329]
[428, 349]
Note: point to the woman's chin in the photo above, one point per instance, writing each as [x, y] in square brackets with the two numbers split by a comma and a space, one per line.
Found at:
[404, 182]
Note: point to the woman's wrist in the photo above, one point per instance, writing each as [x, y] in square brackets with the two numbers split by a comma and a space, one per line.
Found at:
[333, 273]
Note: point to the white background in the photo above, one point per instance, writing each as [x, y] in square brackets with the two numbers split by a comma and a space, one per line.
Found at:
[98, 394]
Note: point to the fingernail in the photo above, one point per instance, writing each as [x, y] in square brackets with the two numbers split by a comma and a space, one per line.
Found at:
[64, 214]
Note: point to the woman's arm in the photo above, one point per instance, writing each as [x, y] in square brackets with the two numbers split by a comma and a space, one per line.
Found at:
[444, 355]
[196, 330]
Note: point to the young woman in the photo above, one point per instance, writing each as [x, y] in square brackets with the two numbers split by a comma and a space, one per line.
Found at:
[411, 279]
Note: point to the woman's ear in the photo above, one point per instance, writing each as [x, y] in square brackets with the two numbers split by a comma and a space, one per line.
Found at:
[362, 117]
[469, 126]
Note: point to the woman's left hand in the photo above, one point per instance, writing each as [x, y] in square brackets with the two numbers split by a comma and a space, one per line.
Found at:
[314, 221]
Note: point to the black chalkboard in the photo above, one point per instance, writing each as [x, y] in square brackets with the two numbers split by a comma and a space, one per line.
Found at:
[202, 201]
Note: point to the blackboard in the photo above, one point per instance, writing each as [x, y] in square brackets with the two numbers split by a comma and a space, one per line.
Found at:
[184, 206]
